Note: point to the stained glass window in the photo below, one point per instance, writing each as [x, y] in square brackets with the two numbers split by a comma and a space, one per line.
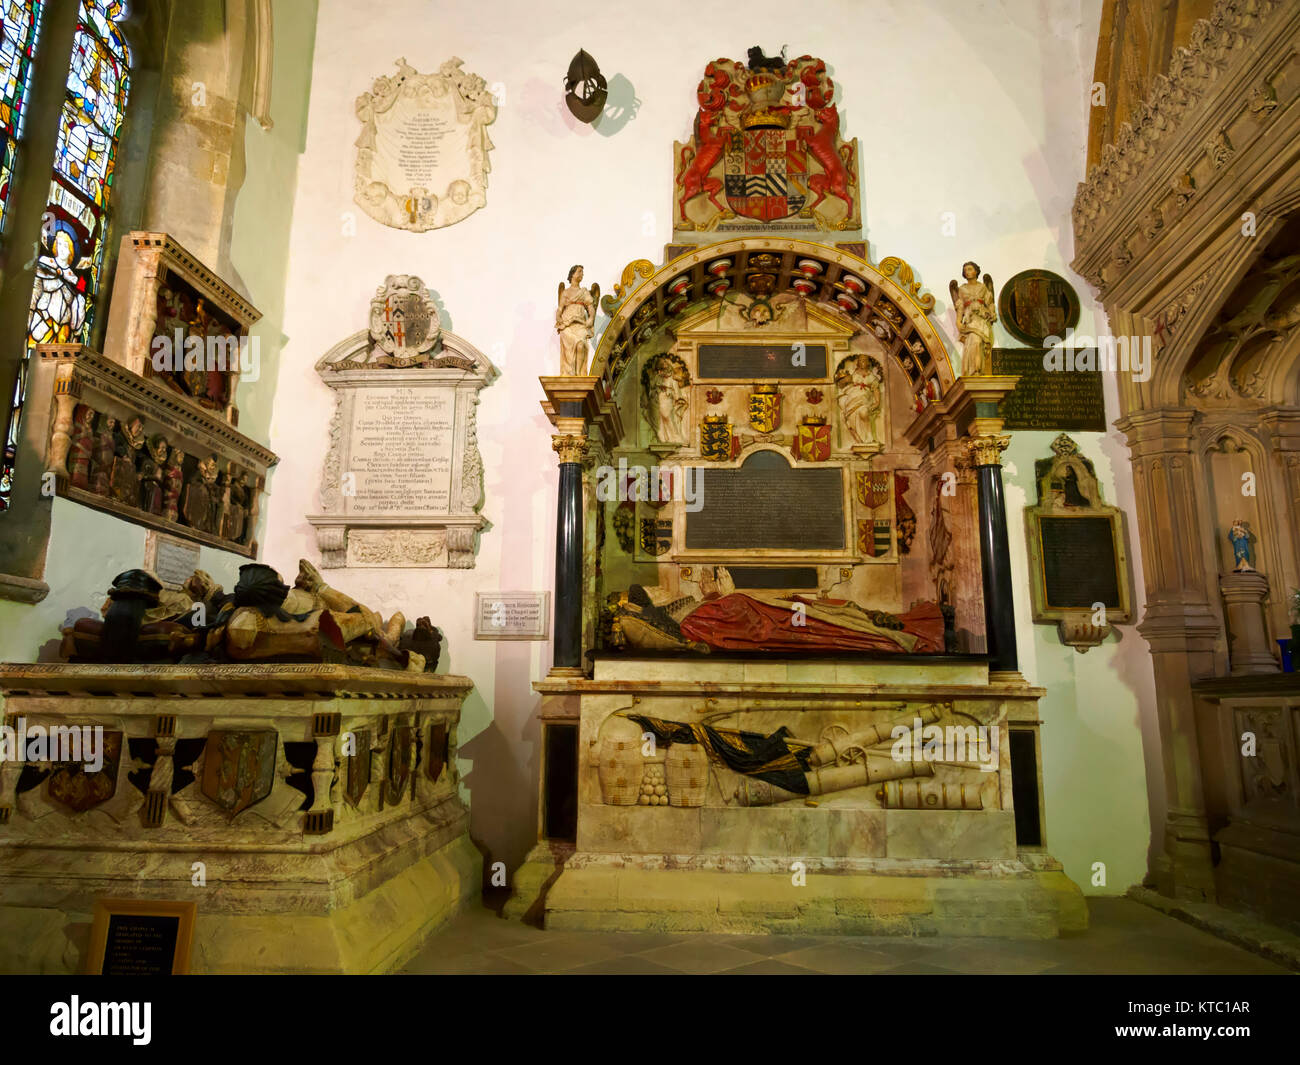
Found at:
[76, 216]
[20, 23]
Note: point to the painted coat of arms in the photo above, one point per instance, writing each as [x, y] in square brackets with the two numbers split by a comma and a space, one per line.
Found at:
[656, 535]
[873, 488]
[404, 323]
[767, 138]
[813, 441]
[79, 790]
[238, 768]
[401, 760]
[717, 442]
[358, 767]
[875, 537]
[765, 408]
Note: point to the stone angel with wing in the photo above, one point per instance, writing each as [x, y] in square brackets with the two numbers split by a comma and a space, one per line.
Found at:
[976, 313]
[575, 321]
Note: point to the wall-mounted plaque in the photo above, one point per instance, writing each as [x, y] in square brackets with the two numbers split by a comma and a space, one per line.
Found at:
[422, 156]
[169, 559]
[403, 479]
[134, 937]
[511, 615]
[1037, 304]
[1078, 554]
[747, 362]
[1062, 400]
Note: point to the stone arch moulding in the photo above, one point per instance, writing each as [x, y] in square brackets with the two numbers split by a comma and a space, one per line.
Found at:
[421, 411]
[827, 275]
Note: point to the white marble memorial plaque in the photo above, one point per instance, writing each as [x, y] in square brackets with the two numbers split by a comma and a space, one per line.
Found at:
[511, 615]
[422, 157]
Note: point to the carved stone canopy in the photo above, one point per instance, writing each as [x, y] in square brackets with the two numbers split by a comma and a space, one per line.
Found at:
[403, 478]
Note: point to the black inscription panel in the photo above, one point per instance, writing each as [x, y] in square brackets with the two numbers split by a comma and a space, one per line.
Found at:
[767, 504]
[1068, 401]
[760, 577]
[1079, 564]
[746, 362]
[140, 945]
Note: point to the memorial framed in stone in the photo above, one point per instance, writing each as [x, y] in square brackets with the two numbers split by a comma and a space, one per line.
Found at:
[422, 155]
[1078, 551]
[140, 937]
[403, 478]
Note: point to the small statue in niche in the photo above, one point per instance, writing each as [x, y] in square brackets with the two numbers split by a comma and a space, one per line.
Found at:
[172, 480]
[1243, 551]
[665, 382]
[124, 482]
[193, 372]
[859, 382]
[575, 321]
[104, 452]
[218, 379]
[82, 449]
[151, 473]
[200, 491]
[976, 313]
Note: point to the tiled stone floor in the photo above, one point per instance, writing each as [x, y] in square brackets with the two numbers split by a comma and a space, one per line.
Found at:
[1124, 937]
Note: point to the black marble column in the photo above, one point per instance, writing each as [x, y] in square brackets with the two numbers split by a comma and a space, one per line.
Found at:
[568, 548]
[568, 568]
[995, 557]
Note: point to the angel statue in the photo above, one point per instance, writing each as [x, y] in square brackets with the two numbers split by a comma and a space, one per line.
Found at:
[976, 313]
[575, 321]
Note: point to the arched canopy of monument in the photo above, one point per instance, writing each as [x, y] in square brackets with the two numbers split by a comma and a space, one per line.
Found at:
[858, 291]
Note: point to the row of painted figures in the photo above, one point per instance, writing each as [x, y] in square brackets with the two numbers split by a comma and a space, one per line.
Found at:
[115, 459]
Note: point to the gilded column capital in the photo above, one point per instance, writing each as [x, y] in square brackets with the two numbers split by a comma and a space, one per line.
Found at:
[570, 448]
[986, 449]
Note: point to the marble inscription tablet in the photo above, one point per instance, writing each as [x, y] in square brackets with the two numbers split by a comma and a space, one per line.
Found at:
[401, 451]
[766, 503]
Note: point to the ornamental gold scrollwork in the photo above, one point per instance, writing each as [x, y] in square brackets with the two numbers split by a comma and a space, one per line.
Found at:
[907, 281]
[643, 267]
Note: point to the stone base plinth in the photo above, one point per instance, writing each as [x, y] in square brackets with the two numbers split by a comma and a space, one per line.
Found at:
[828, 820]
[1006, 899]
[347, 850]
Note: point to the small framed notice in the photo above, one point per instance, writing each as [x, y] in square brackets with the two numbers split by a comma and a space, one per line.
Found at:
[512, 615]
[171, 560]
[140, 937]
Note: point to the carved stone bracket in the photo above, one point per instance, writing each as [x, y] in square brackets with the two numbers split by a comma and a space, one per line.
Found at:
[1078, 630]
